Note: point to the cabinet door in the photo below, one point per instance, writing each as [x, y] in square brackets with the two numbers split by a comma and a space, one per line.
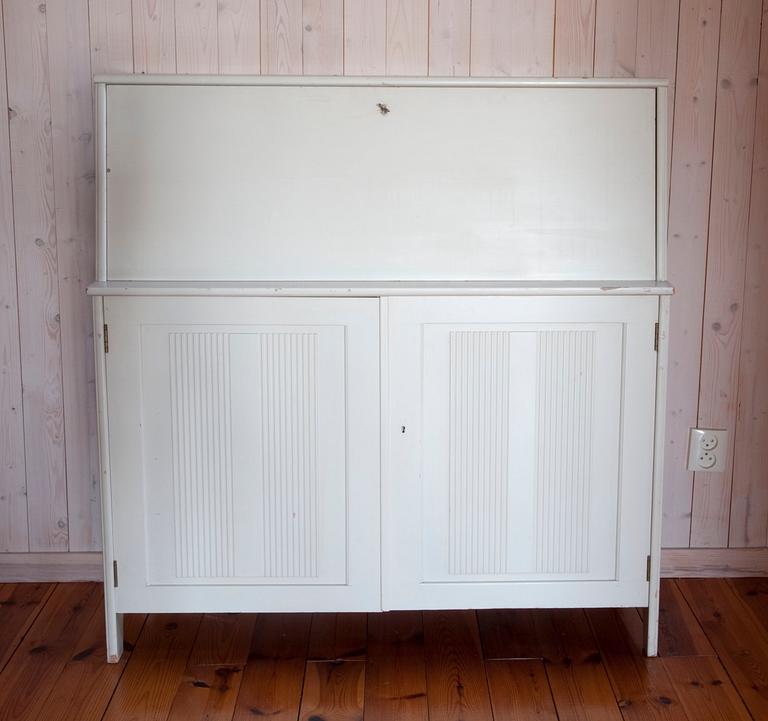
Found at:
[244, 447]
[520, 445]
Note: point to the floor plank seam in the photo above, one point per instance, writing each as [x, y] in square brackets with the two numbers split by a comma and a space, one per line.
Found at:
[125, 666]
[31, 622]
[720, 661]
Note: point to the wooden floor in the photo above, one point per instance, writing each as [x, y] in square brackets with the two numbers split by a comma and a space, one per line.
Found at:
[457, 665]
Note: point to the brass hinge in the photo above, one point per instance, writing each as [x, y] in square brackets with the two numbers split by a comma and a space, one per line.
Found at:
[114, 573]
[648, 568]
[656, 337]
[106, 338]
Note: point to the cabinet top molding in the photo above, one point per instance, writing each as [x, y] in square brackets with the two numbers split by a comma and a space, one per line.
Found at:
[384, 82]
[352, 289]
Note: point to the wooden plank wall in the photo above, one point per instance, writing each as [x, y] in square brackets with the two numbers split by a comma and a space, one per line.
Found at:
[712, 51]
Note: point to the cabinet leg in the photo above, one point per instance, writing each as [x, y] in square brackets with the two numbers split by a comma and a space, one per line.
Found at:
[114, 636]
[652, 627]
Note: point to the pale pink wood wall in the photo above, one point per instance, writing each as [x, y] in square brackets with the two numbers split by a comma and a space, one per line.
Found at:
[710, 50]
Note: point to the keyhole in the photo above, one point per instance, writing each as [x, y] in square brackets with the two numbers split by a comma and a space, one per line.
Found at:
[402, 429]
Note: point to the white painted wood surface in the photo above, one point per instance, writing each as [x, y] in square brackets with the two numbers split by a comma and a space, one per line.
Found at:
[29, 100]
[517, 432]
[113, 619]
[548, 183]
[48, 567]
[727, 254]
[377, 289]
[691, 175]
[657, 491]
[14, 535]
[513, 37]
[151, 28]
[574, 49]
[243, 447]
[72, 124]
[749, 504]
[520, 443]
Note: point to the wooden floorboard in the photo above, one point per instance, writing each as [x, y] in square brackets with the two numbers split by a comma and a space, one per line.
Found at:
[338, 637]
[457, 688]
[86, 684]
[273, 678]
[705, 690]
[491, 665]
[577, 676]
[641, 685]
[753, 592]
[520, 690]
[396, 678]
[333, 690]
[34, 668]
[211, 682]
[739, 639]
[679, 632]
[19, 605]
[155, 670]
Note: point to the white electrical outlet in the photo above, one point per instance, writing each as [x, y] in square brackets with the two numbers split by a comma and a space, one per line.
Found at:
[707, 450]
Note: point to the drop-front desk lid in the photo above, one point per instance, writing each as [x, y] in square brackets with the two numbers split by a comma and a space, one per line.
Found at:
[252, 179]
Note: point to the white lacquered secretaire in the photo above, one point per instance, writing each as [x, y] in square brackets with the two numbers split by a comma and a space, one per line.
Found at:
[375, 344]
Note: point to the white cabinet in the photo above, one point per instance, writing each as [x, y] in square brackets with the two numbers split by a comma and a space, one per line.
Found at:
[244, 453]
[520, 451]
[504, 447]
[349, 370]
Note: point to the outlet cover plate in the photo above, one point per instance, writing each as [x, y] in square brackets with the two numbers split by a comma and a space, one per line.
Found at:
[707, 450]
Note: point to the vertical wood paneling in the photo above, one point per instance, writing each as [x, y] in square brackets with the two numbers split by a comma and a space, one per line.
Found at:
[512, 37]
[33, 201]
[726, 255]
[687, 248]
[615, 38]
[449, 31]
[323, 37]
[239, 37]
[365, 37]
[46, 247]
[657, 28]
[281, 37]
[197, 36]
[574, 38]
[75, 218]
[13, 484]
[154, 36]
[111, 40]
[407, 37]
[749, 504]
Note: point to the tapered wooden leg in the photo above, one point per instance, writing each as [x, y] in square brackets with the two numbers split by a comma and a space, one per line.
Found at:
[114, 636]
[652, 625]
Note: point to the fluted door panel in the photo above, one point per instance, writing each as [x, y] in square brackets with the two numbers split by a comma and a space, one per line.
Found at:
[252, 468]
[511, 450]
[246, 450]
[521, 451]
